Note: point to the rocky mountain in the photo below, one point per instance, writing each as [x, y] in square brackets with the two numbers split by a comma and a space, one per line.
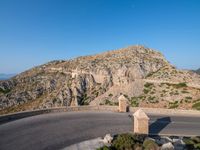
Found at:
[143, 75]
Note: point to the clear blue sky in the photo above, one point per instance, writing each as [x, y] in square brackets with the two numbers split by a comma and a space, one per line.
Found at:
[33, 32]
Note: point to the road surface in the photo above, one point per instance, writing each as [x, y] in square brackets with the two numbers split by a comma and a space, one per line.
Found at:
[58, 130]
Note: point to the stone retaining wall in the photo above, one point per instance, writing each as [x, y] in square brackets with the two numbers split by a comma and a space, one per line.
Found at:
[170, 112]
[19, 115]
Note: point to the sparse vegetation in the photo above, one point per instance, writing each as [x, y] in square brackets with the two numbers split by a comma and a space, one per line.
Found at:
[181, 85]
[192, 143]
[110, 95]
[173, 105]
[150, 145]
[108, 102]
[184, 92]
[152, 99]
[104, 148]
[188, 97]
[124, 141]
[196, 106]
[4, 91]
[130, 141]
[135, 101]
[125, 95]
[127, 142]
[146, 91]
[85, 99]
[148, 85]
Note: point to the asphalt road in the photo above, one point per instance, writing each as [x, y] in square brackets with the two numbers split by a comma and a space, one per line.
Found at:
[58, 130]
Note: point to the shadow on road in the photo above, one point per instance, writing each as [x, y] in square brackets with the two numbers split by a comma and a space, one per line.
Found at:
[157, 126]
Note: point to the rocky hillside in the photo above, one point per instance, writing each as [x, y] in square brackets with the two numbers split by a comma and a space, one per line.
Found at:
[143, 75]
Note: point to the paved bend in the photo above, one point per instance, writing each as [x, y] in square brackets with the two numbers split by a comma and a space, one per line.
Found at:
[57, 130]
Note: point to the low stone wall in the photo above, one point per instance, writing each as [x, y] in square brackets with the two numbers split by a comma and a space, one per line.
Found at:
[19, 115]
[170, 112]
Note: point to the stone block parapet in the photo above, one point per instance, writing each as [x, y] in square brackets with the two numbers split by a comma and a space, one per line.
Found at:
[169, 112]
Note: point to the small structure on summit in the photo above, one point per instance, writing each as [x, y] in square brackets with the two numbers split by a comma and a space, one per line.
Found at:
[122, 103]
[141, 122]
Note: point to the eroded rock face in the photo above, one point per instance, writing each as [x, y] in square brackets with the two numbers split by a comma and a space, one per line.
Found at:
[82, 81]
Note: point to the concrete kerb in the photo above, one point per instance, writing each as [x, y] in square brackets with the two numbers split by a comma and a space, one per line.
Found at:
[170, 112]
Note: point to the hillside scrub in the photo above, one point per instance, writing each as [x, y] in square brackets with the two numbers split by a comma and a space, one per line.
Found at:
[196, 106]
[4, 91]
[129, 141]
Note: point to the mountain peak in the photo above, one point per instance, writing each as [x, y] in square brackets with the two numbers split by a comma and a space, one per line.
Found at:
[139, 73]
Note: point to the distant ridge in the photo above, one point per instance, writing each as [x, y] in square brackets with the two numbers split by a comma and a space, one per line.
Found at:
[197, 71]
[6, 76]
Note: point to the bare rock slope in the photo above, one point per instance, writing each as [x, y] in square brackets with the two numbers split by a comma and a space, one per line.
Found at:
[143, 75]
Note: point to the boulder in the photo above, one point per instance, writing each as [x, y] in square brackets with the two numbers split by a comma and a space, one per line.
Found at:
[167, 146]
[107, 139]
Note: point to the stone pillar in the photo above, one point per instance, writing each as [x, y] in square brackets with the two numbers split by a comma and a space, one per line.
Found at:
[141, 122]
[122, 104]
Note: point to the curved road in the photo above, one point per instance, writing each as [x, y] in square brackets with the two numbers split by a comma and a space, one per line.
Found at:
[58, 130]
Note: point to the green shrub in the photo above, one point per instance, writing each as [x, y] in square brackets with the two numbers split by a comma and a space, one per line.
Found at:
[188, 97]
[110, 95]
[189, 143]
[177, 93]
[116, 103]
[181, 85]
[138, 146]
[173, 105]
[196, 106]
[86, 103]
[97, 94]
[192, 143]
[5, 91]
[134, 101]
[150, 145]
[124, 142]
[164, 91]
[126, 96]
[197, 146]
[198, 100]
[150, 74]
[54, 100]
[127, 141]
[196, 139]
[152, 92]
[146, 91]
[104, 148]
[108, 102]
[147, 85]
[184, 92]
[152, 99]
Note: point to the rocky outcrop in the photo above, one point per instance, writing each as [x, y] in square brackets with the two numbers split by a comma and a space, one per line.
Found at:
[85, 80]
